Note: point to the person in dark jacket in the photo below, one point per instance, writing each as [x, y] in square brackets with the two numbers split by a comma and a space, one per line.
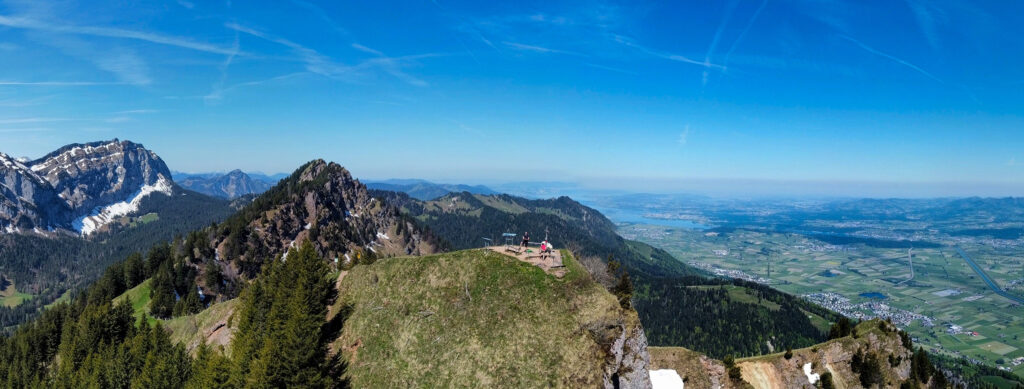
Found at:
[526, 240]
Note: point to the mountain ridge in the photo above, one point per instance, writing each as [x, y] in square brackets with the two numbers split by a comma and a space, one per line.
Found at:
[426, 190]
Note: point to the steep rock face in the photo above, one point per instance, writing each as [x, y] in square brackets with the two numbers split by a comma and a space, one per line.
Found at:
[26, 199]
[95, 174]
[323, 203]
[229, 186]
[79, 187]
[628, 360]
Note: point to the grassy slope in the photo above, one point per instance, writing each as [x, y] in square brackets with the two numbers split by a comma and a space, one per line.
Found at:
[690, 365]
[189, 330]
[64, 298]
[475, 318]
[11, 297]
[139, 296]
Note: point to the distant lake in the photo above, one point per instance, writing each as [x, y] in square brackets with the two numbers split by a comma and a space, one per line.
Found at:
[635, 216]
[873, 295]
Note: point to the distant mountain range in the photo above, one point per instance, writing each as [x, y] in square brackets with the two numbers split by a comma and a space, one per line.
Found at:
[426, 190]
[230, 185]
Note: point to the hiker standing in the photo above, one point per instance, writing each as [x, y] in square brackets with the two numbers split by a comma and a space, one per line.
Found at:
[526, 240]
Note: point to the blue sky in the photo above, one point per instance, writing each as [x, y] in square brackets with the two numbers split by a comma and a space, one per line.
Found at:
[798, 95]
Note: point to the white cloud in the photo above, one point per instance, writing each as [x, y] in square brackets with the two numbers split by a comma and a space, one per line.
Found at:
[684, 136]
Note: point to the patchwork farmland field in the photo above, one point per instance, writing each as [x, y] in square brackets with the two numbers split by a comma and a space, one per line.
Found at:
[946, 306]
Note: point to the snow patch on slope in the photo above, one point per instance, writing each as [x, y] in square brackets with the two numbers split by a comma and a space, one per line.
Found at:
[812, 377]
[100, 216]
[665, 379]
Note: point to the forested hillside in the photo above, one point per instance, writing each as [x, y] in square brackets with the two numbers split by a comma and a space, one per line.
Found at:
[92, 342]
[50, 267]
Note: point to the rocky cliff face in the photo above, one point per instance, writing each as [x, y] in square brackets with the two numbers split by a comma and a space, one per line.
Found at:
[27, 200]
[229, 186]
[79, 187]
[628, 360]
[323, 203]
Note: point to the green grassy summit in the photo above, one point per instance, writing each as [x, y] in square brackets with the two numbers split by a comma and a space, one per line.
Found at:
[476, 318]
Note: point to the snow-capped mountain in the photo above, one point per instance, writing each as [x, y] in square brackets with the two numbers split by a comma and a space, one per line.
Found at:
[79, 187]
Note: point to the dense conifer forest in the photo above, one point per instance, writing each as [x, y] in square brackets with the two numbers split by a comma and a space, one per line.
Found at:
[92, 342]
[49, 267]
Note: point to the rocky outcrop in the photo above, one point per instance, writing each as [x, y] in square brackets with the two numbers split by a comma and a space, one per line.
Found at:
[229, 186]
[78, 187]
[320, 202]
[27, 200]
[804, 367]
[630, 361]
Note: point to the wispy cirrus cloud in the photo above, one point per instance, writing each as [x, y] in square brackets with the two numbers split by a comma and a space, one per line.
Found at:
[892, 58]
[717, 37]
[216, 91]
[366, 49]
[32, 120]
[219, 94]
[539, 49]
[25, 129]
[322, 15]
[136, 111]
[320, 64]
[928, 18]
[110, 32]
[665, 55]
[743, 33]
[57, 83]
[684, 136]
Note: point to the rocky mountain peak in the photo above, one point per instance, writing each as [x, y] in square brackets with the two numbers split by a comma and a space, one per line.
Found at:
[98, 173]
[79, 186]
[320, 202]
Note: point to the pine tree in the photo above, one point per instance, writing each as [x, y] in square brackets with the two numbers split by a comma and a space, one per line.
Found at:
[166, 365]
[162, 300]
[134, 270]
[190, 304]
[289, 304]
[210, 370]
[212, 276]
[623, 289]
